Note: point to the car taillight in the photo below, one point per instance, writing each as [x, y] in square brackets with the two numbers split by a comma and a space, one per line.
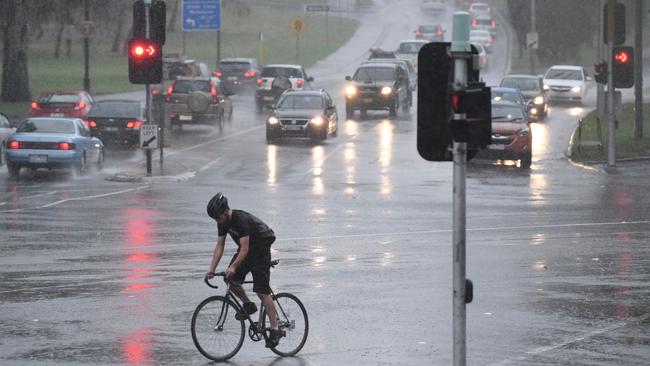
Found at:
[418, 33]
[489, 40]
[439, 32]
[494, 23]
[90, 123]
[35, 106]
[249, 74]
[13, 144]
[299, 83]
[66, 146]
[154, 91]
[80, 105]
[218, 74]
[213, 92]
[259, 82]
[170, 90]
[134, 124]
[474, 23]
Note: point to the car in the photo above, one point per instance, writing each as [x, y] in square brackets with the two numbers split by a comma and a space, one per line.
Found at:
[532, 88]
[117, 122]
[375, 53]
[485, 22]
[277, 78]
[482, 55]
[408, 49]
[377, 86]
[512, 95]
[431, 33]
[511, 135]
[5, 131]
[53, 142]
[175, 66]
[62, 103]
[406, 65]
[476, 9]
[482, 37]
[567, 83]
[433, 6]
[307, 113]
[197, 100]
[238, 73]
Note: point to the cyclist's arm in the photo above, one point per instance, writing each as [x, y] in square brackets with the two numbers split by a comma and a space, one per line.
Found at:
[218, 252]
[243, 252]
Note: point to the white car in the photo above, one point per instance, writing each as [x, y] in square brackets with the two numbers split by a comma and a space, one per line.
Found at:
[290, 77]
[409, 49]
[567, 83]
[482, 37]
[5, 131]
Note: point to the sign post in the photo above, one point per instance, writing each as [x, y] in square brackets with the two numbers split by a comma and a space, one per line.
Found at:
[297, 25]
[148, 142]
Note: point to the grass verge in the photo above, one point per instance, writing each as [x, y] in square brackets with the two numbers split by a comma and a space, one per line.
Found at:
[584, 149]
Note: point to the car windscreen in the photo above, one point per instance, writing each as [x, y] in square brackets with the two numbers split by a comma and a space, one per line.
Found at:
[59, 98]
[520, 83]
[178, 69]
[288, 72]
[507, 113]
[188, 86]
[374, 74]
[116, 109]
[411, 47]
[508, 96]
[565, 74]
[301, 102]
[234, 66]
[428, 28]
[47, 126]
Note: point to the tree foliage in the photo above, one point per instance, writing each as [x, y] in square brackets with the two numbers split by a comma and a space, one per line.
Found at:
[15, 80]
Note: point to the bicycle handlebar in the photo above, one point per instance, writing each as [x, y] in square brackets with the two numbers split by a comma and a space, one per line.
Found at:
[223, 274]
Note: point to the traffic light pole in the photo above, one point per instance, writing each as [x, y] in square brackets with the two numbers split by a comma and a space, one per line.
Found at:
[147, 88]
[611, 117]
[460, 49]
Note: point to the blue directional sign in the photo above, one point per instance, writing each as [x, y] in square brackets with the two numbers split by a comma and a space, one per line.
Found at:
[201, 15]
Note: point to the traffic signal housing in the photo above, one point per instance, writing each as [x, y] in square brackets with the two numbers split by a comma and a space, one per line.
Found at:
[619, 24]
[623, 66]
[145, 61]
[157, 20]
[600, 72]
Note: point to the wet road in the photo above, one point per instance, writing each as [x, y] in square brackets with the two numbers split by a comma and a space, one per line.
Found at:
[96, 272]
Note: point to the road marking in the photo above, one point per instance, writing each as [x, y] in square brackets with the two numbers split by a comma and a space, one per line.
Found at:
[324, 158]
[212, 141]
[82, 198]
[209, 164]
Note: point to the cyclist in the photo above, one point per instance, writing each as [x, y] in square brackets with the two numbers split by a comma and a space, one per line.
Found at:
[254, 239]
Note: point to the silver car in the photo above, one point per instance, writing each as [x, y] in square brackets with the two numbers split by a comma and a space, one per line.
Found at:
[5, 131]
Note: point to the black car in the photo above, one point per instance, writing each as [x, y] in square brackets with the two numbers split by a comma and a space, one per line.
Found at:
[303, 113]
[238, 73]
[116, 122]
[532, 88]
[377, 86]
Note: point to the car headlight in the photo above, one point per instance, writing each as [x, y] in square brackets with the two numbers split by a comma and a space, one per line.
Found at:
[576, 89]
[317, 121]
[546, 87]
[533, 110]
[386, 90]
[522, 133]
[350, 90]
[273, 120]
[538, 100]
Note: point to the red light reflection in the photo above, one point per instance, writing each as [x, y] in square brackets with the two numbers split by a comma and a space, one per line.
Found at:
[136, 349]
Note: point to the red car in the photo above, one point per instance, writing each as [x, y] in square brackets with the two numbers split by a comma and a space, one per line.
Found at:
[62, 103]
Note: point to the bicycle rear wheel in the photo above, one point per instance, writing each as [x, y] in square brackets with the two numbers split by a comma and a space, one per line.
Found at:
[215, 331]
[292, 320]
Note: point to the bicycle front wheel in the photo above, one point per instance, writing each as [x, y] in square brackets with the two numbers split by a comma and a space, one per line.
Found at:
[292, 320]
[215, 331]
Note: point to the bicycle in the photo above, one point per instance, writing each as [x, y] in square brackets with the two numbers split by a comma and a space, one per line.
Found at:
[218, 335]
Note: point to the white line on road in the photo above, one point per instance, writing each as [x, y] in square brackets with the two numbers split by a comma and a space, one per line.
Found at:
[209, 164]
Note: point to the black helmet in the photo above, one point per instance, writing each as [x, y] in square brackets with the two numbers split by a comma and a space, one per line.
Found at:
[217, 205]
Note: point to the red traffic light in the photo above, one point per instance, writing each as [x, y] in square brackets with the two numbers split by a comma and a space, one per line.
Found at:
[622, 57]
[143, 49]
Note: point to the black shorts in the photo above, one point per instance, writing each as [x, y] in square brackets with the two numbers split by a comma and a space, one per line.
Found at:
[257, 262]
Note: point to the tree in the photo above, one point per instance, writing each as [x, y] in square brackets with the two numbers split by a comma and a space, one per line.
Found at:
[15, 79]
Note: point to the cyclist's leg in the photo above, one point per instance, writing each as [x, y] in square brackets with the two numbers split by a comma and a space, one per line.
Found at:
[261, 270]
[240, 276]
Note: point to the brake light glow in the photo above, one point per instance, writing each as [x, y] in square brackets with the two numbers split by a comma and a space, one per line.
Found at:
[134, 124]
[90, 123]
[418, 33]
[218, 74]
[13, 144]
[474, 23]
[35, 106]
[454, 102]
[80, 105]
[66, 146]
[259, 82]
[249, 74]
[494, 23]
[213, 92]
[154, 91]
[299, 83]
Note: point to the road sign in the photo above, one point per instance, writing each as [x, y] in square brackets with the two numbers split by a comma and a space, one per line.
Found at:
[149, 136]
[297, 24]
[201, 15]
[532, 41]
[87, 28]
[317, 7]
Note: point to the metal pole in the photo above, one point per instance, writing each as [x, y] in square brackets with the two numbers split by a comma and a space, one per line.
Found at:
[638, 70]
[600, 89]
[147, 22]
[182, 30]
[460, 47]
[611, 123]
[327, 30]
[532, 30]
[86, 50]
[218, 46]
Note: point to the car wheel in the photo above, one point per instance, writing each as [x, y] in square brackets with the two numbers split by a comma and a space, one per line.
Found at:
[270, 136]
[406, 107]
[100, 161]
[81, 166]
[392, 110]
[2, 154]
[525, 162]
[14, 169]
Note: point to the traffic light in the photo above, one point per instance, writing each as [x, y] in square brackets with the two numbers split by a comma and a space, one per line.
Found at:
[145, 61]
[623, 66]
[619, 24]
[600, 72]
[435, 71]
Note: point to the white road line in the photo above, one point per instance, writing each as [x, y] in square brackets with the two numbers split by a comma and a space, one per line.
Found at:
[214, 140]
[209, 164]
[36, 195]
[322, 161]
[82, 198]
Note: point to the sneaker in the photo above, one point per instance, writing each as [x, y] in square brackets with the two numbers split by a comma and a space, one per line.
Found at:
[249, 307]
[274, 338]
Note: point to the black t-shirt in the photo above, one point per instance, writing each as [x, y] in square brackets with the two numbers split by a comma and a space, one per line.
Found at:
[243, 224]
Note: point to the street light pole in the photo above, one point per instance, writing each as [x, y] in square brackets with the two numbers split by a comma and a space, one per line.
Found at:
[533, 30]
[86, 49]
[611, 144]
